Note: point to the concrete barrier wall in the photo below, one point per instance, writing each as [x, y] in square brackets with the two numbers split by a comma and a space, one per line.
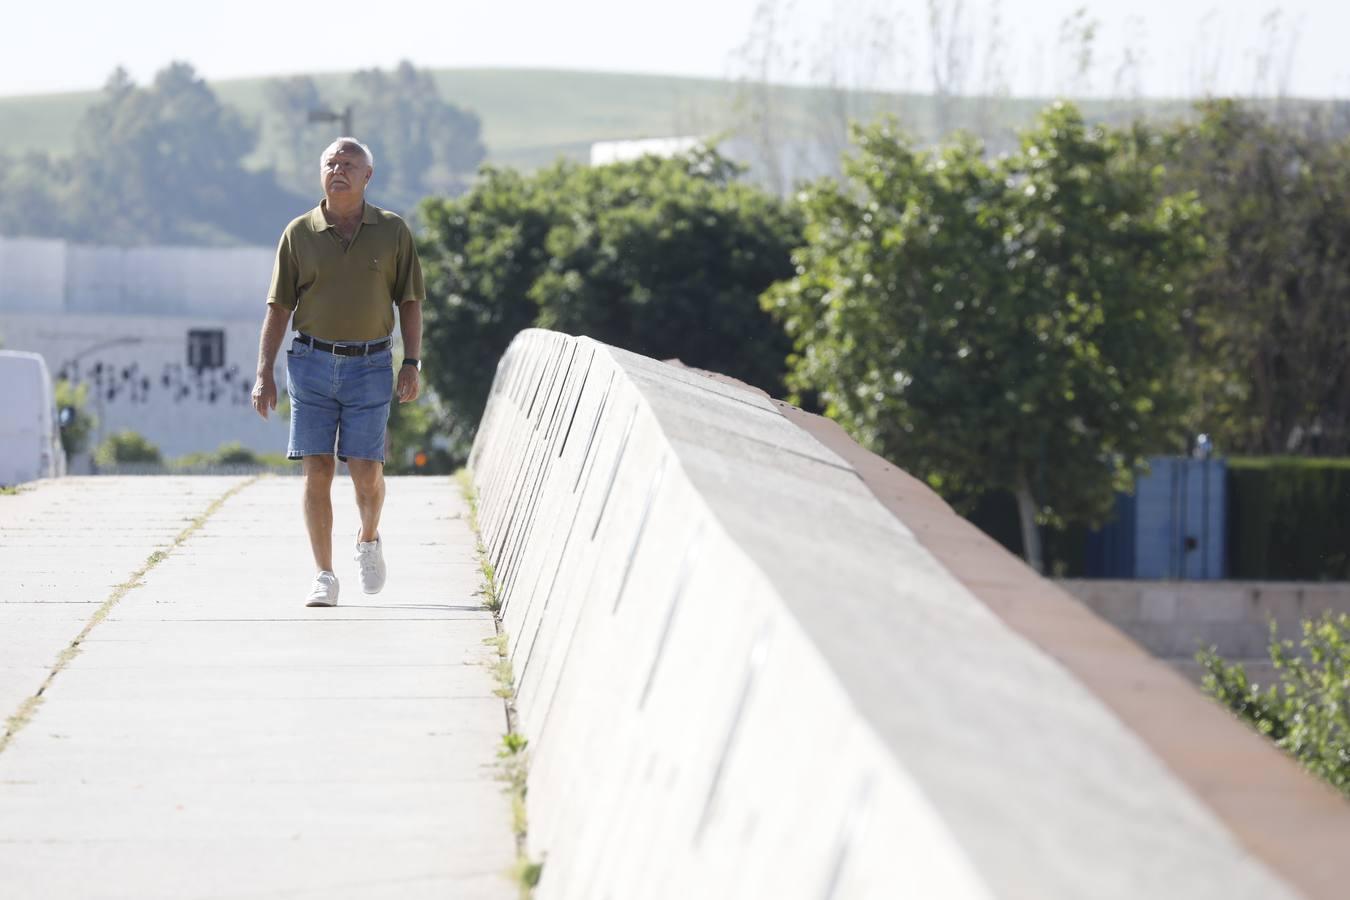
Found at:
[743, 676]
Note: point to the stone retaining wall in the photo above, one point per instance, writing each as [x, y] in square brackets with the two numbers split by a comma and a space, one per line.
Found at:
[1173, 619]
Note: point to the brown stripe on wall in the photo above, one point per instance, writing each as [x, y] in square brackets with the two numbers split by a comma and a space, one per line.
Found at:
[1297, 825]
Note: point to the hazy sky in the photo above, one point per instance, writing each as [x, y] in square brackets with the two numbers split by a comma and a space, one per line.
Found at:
[54, 45]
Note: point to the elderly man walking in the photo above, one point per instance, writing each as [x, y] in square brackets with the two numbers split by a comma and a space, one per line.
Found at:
[340, 270]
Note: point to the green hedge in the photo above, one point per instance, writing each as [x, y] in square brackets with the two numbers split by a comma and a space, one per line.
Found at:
[1289, 518]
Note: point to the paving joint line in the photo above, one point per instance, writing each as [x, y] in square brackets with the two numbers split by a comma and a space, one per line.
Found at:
[24, 714]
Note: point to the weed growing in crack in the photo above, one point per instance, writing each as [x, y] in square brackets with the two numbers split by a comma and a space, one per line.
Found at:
[513, 761]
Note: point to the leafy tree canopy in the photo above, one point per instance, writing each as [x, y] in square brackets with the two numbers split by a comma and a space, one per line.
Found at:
[164, 164]
[1270, 340]
[159, 164]
[664, 257]
[293, 142]
[1006, 324]
[423, 144]
[34, 193]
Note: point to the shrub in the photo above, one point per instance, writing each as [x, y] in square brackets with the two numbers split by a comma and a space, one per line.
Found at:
[1307, 713]
[236, 454]
[126, 447]
[76, 421]
[231, 455]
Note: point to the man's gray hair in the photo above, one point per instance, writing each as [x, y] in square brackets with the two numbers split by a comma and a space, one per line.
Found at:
[347, 142]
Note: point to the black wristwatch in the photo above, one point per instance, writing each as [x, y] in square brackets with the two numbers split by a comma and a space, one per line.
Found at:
[415, 363]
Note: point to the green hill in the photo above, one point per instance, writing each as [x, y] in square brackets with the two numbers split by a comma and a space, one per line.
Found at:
[532, 116]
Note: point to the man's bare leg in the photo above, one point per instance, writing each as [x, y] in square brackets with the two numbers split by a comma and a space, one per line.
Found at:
[368, 479]
[319, 508]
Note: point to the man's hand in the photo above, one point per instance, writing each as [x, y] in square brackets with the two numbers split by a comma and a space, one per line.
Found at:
[408, 384]
[265, 394]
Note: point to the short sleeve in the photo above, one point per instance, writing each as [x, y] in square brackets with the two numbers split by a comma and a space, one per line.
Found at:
[284, 275]
[408, 283]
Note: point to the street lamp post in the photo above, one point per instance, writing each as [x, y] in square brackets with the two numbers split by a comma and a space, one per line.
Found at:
[326, 114]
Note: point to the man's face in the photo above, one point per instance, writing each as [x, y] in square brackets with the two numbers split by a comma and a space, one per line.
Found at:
[345, 171]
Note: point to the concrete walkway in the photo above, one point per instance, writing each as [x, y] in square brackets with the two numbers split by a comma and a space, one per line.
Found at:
[212, 737]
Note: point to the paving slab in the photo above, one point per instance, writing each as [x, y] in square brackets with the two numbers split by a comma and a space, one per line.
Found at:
[65, 545]
[214, 738]
[295, 869]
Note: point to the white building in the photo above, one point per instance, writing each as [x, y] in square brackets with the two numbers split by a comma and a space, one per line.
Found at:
[779, 170]
[165, 337]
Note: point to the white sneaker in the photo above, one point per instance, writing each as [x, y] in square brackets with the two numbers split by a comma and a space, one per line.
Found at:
[325, 590]
[370, 557]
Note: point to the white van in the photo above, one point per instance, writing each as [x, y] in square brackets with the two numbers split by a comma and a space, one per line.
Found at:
[30, 433]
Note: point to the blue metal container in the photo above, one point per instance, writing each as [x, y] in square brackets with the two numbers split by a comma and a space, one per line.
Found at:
[1173, 527]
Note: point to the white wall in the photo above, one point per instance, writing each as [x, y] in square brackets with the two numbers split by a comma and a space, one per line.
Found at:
[32, 275]
[178, 424]
[61, 300]
[53, 276]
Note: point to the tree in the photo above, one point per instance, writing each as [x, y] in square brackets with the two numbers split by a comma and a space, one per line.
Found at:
[423, 144]
[33, 196]
[664, 257]
[997, 325]
[164, 164]
[949, 44]
[287, 133]
[1270, 337]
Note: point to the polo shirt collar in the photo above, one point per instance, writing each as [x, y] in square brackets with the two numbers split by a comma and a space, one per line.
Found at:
[370, 215]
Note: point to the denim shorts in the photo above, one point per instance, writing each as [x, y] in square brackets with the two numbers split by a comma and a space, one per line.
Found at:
[338, 403]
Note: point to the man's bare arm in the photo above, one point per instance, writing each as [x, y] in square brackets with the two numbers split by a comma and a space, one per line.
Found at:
[274, 327]
[410, 324]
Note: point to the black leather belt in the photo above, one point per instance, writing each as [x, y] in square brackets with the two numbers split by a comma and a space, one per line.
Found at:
[344, 349]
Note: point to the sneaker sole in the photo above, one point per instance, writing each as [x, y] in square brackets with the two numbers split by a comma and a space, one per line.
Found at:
[320, 603]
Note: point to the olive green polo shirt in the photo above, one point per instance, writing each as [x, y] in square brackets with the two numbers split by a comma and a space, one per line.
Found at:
[346, 294]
